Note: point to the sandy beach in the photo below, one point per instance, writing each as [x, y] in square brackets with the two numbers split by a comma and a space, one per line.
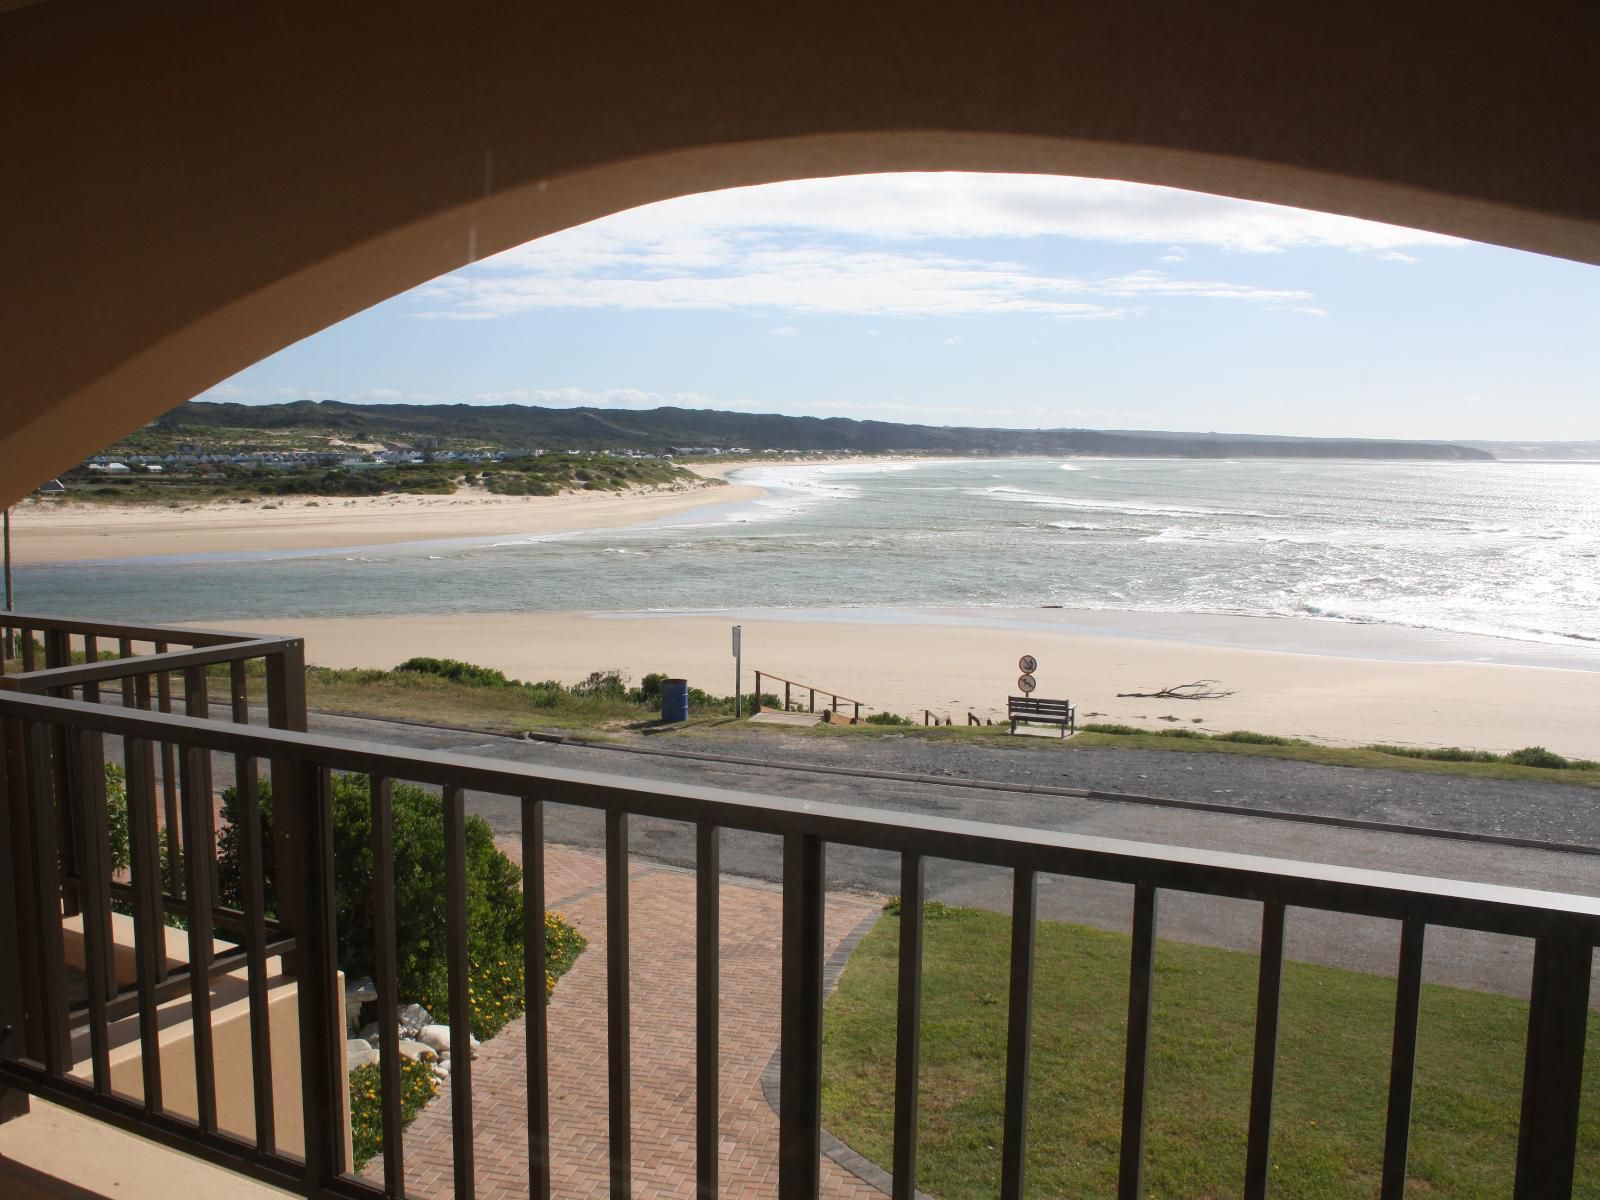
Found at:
[45, 532]
[953, 669]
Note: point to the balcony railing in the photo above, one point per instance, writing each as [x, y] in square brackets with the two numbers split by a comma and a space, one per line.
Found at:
[40, 795]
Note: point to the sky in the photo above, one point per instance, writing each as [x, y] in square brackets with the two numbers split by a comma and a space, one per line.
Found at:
[995, 300]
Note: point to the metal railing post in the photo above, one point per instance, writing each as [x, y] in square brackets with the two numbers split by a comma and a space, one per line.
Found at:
[1552, 1082]
[321, 1007]
[15, 933]
[800, 1034]
[286, 709]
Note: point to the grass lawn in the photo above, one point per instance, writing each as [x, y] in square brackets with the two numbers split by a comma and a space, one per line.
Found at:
[1332, 1071]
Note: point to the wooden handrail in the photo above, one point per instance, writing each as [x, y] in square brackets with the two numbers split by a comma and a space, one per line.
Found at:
[811, 705]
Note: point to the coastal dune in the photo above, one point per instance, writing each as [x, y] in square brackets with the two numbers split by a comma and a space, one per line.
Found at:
[81, 533]
[911, 666]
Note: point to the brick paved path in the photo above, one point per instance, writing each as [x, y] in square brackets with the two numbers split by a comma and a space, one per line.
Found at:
[661, 926]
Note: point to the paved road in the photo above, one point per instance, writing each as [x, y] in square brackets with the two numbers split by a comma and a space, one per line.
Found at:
[1463, 959]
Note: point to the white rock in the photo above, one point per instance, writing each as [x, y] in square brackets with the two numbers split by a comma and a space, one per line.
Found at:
[413, 1017]
[358, 1053]
[441, 1070]
[437, 1036]
[416, 1051]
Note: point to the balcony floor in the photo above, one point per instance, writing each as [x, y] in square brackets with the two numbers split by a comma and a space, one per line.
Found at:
[56, 1154]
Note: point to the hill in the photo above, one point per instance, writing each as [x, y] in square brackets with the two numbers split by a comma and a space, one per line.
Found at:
[318, 424]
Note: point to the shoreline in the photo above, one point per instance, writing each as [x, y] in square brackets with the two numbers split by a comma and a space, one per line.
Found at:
[1334, 696]
[94, 533]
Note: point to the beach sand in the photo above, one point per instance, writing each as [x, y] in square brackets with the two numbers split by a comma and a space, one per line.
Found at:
[47, 532]
[951, 669]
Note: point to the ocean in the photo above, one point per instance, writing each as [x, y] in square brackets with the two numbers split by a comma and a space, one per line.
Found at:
[1507, 550]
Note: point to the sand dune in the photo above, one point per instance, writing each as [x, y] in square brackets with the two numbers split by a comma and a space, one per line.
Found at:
[43, 532]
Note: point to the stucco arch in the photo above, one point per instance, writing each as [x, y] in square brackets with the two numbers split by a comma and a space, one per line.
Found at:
[190, 189]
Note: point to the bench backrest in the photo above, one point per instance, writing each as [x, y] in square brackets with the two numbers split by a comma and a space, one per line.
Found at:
[1037, 706]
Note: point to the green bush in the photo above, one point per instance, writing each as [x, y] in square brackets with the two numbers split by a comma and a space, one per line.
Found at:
[649, 689]
[417, 1087]
[457, 671]
[887, 718]
[601, 685]
[1537, 756]
[494, 900]
[1250, 738]
[1182, 733]
[1121, 730]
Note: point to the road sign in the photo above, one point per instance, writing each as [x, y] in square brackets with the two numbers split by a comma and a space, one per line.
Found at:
[1027, 664]
[1026, 684]
[736, 632]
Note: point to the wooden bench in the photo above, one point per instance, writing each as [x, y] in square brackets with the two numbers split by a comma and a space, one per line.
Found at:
[1042, 712]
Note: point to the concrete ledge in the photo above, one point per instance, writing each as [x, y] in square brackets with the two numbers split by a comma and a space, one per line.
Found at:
[55, 1154]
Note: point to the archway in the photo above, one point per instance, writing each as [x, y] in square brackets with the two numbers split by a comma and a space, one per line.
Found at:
[193, 190]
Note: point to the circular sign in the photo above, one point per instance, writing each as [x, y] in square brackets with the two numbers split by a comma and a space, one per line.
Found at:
[1026, 684]
[1027, 664]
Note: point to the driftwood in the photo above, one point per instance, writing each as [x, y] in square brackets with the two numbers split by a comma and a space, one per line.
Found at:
[1200, 689]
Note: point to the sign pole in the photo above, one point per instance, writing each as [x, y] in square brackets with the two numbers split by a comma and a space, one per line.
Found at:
[738, 675]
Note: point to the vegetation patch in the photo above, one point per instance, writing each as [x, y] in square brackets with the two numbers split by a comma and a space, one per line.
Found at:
[459, 693]
[1335, 1041]
[494, 901]
[887, 718]
[533, 475]
[417, 1087]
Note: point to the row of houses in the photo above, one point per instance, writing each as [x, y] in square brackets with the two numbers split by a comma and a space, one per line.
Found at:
[193, 456]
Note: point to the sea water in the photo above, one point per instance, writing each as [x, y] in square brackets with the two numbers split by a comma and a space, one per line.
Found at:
[1507, 549]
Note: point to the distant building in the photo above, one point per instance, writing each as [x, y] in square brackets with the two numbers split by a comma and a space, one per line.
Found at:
[54, 485]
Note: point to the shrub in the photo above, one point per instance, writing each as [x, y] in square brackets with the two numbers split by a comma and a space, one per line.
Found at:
[1249, 738]
[649, 689]
[1182, 733]
[887, 718]
[601, 685]
[494, 900]
[1537, 756]
[456, 671]
[1121, 730]
[417, 1087]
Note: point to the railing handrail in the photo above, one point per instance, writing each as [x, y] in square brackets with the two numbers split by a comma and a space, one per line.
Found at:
[47, 678]
[822, 691]
[112, 629]
[1464, 904]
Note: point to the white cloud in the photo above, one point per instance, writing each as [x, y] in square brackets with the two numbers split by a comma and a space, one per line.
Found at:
[298, 393]
[823, 280]
[784, 331]
[1399, 256]
[225, 391]
[953, 340]
[866, 246]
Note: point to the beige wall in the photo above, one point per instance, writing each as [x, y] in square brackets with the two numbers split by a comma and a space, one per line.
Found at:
[230, 1033]
[189, 188]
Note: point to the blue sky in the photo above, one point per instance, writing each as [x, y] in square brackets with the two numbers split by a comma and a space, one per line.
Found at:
[1018, 301]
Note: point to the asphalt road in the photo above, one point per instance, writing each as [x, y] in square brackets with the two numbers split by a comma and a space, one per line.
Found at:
[1483, 961]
